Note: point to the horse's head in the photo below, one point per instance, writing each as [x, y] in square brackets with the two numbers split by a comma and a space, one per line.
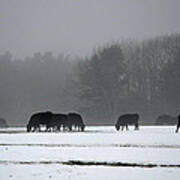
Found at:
[28, 128]
[117, 126]
[82, 127]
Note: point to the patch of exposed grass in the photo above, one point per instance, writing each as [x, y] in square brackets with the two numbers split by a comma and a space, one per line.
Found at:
[93, 163]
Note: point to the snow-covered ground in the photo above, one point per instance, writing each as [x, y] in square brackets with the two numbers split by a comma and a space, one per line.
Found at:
[97, 153]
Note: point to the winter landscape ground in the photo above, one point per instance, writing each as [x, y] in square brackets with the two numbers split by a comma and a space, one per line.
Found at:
[152, 153]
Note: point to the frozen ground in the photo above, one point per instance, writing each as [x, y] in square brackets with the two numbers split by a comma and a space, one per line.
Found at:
[98, 153]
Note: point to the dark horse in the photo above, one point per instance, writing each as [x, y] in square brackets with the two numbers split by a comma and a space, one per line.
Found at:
[166, 120]
[127, 119]
[37, 119]
[178, 124]
[75, 119]
[58, 121]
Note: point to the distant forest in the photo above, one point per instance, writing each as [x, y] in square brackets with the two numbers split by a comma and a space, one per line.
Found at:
[119, 77]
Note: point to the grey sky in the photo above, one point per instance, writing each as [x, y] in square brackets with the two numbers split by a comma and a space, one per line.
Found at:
[77, 26]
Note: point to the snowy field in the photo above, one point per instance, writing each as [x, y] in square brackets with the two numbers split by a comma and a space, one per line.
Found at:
[152, 153]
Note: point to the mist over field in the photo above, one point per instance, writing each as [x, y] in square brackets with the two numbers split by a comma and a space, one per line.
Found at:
[126, 77]
[89, 89]
[100, 59]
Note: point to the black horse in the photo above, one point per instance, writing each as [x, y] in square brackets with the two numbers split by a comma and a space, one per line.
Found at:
[37, 119]
[178, 124]
[127, 119]
[58, 121]
[75, 119]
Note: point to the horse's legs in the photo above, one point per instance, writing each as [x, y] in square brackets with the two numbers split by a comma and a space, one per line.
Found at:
[49, 129]
[82, 128]
[75, 127]
[136, 127]
[46, 130]
[122, 128]
[39, 129]
[64, 127]
[127, 127]
[34, 129]
[177, 129]
[70, 128]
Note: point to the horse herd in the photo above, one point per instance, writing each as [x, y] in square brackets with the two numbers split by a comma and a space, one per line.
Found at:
[74, 121]
[54, 122]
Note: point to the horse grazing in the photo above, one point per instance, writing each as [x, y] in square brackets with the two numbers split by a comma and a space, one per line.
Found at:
[127, 119]
[178, 124]
[58, 121]
[37, 119]
[166, 120]
[75, 119]
[3, 123]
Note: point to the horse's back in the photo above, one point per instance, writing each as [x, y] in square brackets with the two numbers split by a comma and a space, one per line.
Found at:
[166, 120]
[129, 118]
[59, 119]
[75, 117]
[41, 118]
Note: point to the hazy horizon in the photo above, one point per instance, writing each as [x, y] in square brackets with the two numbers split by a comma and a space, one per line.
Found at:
[77, 27]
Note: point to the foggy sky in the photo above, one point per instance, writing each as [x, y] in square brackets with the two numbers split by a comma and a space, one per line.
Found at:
[78, 26]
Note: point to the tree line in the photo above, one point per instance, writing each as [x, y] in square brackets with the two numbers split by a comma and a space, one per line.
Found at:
[120, 77]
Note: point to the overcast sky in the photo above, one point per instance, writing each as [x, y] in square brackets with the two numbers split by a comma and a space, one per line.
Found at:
[77, 26]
